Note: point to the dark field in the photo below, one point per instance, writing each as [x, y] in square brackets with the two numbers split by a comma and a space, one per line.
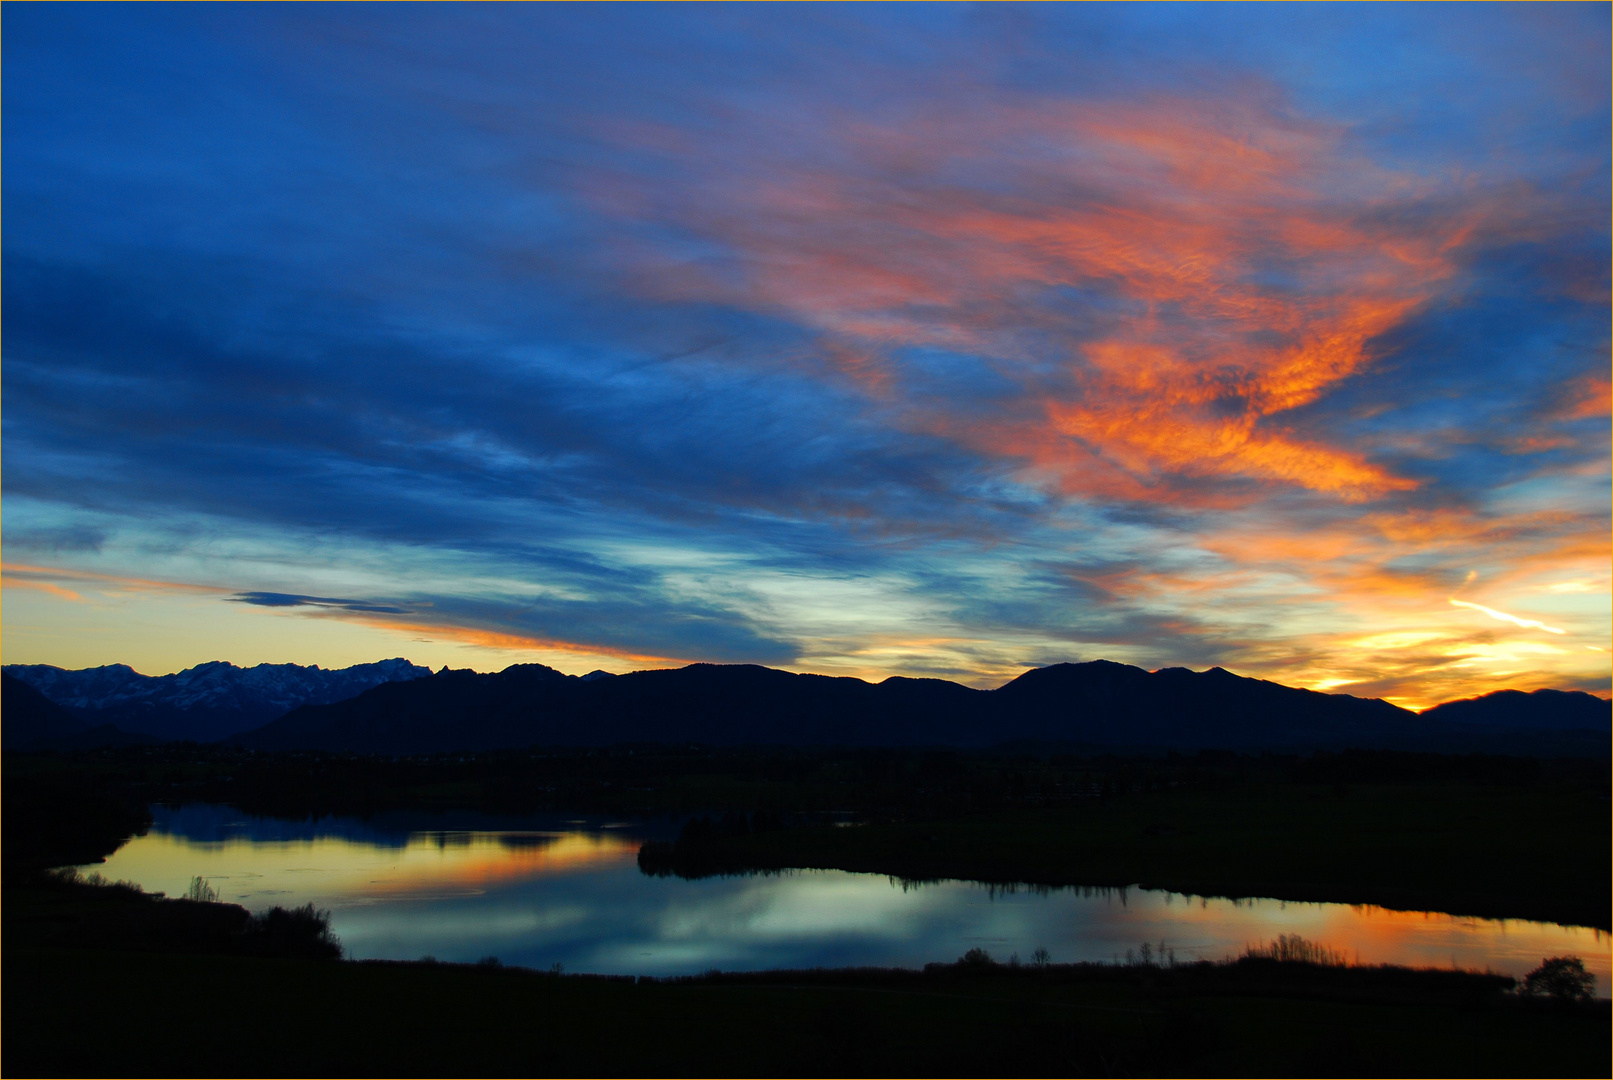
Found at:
[108, 1013]
[108, 981]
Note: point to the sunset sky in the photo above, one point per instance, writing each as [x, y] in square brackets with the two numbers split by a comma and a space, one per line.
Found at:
[859, 340]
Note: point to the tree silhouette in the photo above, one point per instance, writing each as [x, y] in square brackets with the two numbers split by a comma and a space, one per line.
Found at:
[201, 891]
[1560, 977]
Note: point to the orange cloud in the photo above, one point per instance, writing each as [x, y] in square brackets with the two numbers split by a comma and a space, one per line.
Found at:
[1364, 605]
[42, 586]
[1245, 291]
[18, 575]
[497, 639]
[1588, 398]
[1241, 266]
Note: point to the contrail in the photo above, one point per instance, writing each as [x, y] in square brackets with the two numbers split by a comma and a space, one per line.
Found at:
[1528, 624]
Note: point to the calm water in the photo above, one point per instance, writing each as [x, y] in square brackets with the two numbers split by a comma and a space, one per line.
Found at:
[543, 891]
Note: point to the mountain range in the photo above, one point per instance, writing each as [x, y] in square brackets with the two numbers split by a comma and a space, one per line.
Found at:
[1095, 704]
[394, 707]
[205, 703]
[1542, 710]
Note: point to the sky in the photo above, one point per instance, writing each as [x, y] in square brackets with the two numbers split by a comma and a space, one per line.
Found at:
[865, 340]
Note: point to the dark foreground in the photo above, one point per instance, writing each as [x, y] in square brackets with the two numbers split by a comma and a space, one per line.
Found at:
[106, 981]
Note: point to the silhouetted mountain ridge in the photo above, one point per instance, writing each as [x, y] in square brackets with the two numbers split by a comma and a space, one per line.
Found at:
[1514, 710]
[1097, 704]
[204, 703]
[1179, 707]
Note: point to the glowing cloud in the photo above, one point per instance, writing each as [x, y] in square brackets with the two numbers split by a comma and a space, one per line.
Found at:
[1214, 225]
[42, 586]
[1527, 624]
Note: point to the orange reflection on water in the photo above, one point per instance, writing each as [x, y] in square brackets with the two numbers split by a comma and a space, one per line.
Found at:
[333, 869]
[1372, 935]
[1430, 939]
[478, 859]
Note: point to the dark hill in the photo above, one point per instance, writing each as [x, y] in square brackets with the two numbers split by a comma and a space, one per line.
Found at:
[30, 718]
[1110, 704]
[34, 722]
[1095, 704]
[530, 704]
[1514, 710]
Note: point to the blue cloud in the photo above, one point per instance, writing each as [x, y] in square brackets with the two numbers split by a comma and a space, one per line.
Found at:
[286, 600]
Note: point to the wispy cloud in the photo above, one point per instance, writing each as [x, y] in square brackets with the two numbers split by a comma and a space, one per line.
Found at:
[1527, 624]
[42, 586]
[25, 575]
[288, 600]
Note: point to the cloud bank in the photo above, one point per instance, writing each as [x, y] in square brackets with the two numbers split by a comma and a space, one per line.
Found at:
[859, 340]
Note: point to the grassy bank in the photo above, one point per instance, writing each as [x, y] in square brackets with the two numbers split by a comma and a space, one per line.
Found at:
[69, 913]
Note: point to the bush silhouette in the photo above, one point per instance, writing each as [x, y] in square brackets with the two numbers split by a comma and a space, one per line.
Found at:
[302, 931]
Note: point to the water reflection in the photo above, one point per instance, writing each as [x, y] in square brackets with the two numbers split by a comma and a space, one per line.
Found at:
[537, 892]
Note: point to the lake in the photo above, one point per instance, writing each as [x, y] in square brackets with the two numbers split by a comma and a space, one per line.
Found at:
[541, 891]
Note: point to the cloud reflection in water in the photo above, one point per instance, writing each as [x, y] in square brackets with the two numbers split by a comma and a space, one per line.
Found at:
[535, 897]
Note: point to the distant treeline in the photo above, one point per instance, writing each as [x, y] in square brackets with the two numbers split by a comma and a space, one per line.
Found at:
[114, 786]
